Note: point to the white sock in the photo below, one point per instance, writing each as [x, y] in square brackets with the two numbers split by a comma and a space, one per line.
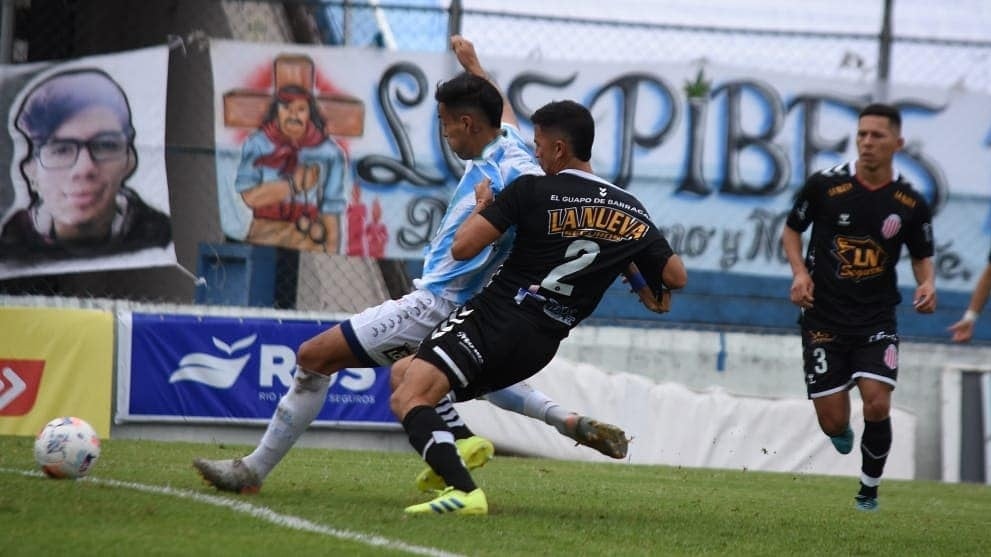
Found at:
[296, 411]
[524, 399]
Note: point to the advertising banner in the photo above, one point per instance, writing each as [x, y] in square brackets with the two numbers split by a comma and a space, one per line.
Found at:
[715, 153]
[86, 187]
[55, 362]
[200, 369]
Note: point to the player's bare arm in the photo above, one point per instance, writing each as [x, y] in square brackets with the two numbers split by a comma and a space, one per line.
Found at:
[802, 286]
[464, 50]
[655, 302]
[472, 237]
[963, 329]
[924, 300]
[673, 275]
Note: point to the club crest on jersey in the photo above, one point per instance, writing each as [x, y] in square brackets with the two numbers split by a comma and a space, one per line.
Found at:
[891, 226]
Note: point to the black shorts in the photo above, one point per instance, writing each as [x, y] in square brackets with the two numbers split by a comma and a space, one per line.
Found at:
[483, 349]
[833, 362]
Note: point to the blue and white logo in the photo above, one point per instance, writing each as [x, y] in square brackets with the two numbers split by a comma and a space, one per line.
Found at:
[234, 368]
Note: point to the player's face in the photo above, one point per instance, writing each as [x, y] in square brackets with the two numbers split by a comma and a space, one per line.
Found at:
[456, 127]
[293, 117]
[548, 147]
[877, 142]
[82, 191]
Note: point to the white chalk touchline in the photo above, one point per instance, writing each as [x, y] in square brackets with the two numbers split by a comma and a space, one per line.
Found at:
[264, 513]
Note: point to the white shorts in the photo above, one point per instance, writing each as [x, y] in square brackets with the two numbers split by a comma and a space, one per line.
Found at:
[385, 333]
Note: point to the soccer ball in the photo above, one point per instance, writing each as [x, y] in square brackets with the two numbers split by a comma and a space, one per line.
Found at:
[67, 447]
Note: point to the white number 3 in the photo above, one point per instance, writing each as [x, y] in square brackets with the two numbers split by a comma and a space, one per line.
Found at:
[820, 355]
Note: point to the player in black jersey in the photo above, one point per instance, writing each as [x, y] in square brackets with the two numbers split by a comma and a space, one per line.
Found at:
[575, 233]
[861, 214]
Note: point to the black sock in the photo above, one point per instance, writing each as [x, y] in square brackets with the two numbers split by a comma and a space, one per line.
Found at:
[434, 442]
[868, 491]
[445, 408]
[874, 447]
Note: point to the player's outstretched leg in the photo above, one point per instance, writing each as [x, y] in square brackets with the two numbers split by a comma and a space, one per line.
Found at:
[296, 410]
[601, 436]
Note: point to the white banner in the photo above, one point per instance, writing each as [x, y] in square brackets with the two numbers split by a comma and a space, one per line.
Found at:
[87, 188]
[673, 425]
[715, 153]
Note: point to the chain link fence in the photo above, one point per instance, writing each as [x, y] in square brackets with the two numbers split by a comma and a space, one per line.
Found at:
[36, 30]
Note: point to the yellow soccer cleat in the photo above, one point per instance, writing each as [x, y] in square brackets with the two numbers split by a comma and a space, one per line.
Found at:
[453, 501]
[475, 451]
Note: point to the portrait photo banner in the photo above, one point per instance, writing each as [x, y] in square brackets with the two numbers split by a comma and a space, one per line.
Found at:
[200, 369]
[86, 187]
[53, 363]
[338, 149]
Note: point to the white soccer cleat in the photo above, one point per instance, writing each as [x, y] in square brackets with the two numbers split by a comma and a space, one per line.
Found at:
[228, 475]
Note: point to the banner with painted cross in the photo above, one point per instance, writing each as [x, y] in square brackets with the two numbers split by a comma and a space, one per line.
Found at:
[338, 149]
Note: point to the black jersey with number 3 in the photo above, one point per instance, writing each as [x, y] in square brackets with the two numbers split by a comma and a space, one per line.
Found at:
[857, 238]
[575, 233]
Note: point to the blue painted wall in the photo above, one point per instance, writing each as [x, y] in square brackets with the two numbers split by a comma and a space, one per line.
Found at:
[726, 301]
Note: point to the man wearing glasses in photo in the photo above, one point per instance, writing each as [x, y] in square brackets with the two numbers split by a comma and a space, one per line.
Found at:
[80, 154]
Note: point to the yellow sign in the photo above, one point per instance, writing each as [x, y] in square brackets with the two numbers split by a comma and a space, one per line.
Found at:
[55, 362]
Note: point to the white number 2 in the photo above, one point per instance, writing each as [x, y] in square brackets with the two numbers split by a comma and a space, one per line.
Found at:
[553, 282]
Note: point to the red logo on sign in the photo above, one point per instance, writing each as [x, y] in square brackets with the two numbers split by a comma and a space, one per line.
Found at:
[19, 383]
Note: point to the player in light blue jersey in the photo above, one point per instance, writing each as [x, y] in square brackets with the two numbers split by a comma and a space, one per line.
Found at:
[470, 109]
[503, 160]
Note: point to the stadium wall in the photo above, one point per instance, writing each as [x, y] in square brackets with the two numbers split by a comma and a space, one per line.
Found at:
[688, 397]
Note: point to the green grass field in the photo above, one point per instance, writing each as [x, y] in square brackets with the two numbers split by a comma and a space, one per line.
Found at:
[145, 498]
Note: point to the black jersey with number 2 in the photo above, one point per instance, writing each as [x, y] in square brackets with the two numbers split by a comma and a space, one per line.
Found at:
[857, 238]
[575, 233]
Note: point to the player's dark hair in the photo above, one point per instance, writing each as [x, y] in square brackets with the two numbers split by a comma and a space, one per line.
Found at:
[885, 111]
[468, 92]
[571, 120]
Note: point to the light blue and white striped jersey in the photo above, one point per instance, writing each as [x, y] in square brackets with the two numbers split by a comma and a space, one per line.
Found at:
[508, 157]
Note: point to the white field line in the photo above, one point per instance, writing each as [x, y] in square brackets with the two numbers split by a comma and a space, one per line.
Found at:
[263, 513]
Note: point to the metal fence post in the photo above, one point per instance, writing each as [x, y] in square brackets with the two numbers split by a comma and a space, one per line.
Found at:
[455, 13]
[884, 53]
[6, 30]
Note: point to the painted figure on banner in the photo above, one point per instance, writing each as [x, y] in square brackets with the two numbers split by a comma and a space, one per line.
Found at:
[80, 153]
[293, 174]
[365, 238]
[376, 233]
